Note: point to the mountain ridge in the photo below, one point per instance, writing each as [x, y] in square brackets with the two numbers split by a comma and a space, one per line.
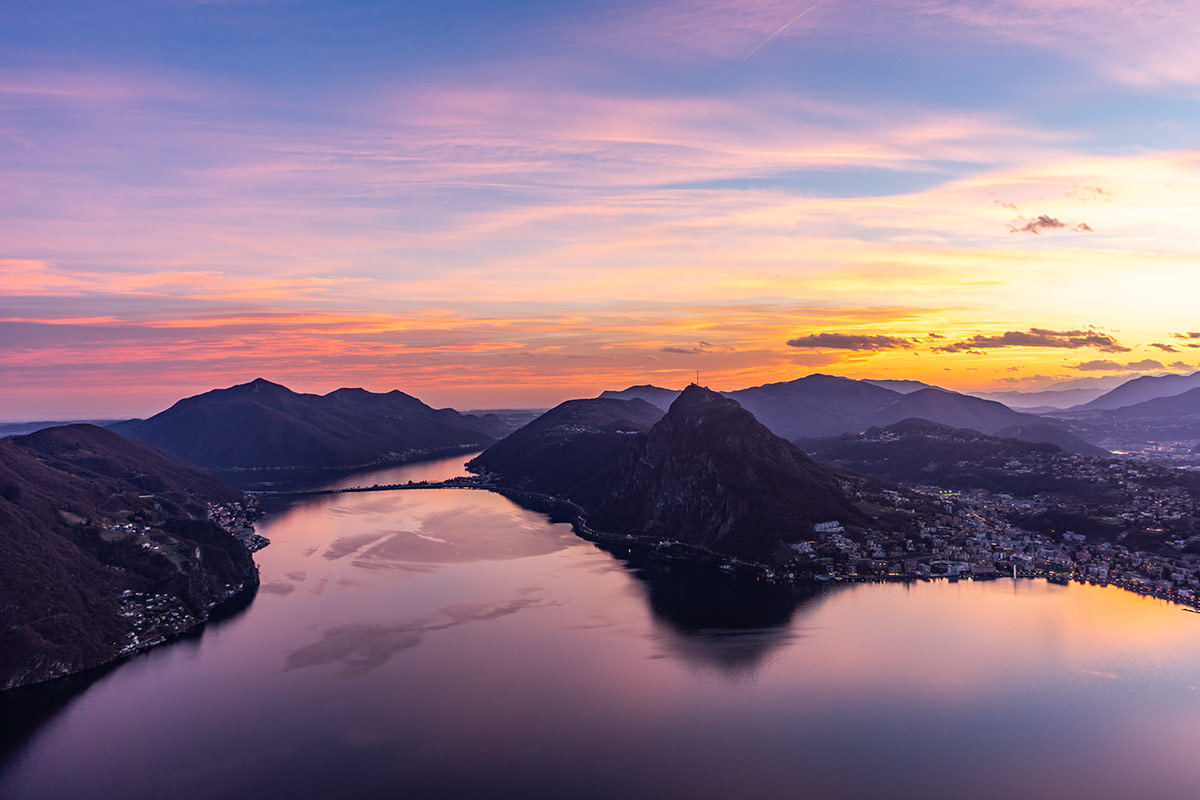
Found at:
[819, 405]
[106, 547]
[265, 425]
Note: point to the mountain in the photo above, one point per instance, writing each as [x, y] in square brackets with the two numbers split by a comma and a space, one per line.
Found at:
[1140, 427]
[819, 406]
[921, 452]
[263, 425]
[654, 395]
[105, 548]
[22, 428]
[824, 405]
[1139, 390]
[571, 449]
[901, 386]
[709, 474]
[1044, 432]
[955, 410]
[816, 405]
[1175, 409]
[507, 420]
[1051, 399]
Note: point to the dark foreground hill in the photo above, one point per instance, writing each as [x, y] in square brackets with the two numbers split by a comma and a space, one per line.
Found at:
[261, 425]
[707, 474]
[105, 548]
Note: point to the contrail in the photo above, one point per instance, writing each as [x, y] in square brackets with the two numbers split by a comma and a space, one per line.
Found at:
[767, 40]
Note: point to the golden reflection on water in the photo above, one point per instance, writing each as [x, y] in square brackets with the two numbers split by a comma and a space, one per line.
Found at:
[944, 639]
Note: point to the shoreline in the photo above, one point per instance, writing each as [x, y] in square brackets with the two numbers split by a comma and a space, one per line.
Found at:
[225, 609]
[681, 551]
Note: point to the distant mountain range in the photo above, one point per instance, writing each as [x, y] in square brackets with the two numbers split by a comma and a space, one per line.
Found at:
[901, 386]
[261, 425]
[1139, 390]
[96, 528]
[1175, 418]
[825, 405]
[707, 473]
[1175, 409]
[1038, 402]
[22, 428]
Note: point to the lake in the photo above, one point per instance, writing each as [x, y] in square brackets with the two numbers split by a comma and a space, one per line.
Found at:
[440, 643]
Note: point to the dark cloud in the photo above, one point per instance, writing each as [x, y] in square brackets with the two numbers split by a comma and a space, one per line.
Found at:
[935, 336]
[1112, 366]
[1038, 337]
[701, 347]
[850, 341]
[1046, 223]
[1148, 363]
[1179, 365]
[1166, 348]
[1188, 335]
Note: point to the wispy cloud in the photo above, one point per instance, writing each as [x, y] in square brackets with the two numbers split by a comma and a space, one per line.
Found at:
[1046, 223]
[697, 349]
[1144, 44]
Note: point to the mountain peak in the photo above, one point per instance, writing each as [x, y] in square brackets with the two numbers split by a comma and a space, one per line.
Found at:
[696, 396]
[712, 475]
[700, 408]
[259, 385]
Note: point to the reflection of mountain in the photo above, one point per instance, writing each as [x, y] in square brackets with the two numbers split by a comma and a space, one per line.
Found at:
[713, 620]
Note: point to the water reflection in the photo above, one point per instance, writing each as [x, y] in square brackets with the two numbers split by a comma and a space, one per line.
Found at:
[712, 620]
[400, 530]
[359, 649]
[386, 651]
[295, 480]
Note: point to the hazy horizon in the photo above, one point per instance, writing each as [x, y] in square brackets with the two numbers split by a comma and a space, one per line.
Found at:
[76, 409]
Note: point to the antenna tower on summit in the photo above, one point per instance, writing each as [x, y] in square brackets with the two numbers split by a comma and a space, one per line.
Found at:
[697, 377]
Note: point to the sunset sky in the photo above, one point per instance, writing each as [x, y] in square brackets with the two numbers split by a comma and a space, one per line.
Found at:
[509, 204]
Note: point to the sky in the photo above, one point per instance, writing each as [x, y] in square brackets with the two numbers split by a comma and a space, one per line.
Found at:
[490, 204]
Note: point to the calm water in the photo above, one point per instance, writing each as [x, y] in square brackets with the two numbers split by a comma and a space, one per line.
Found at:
[441, 643]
